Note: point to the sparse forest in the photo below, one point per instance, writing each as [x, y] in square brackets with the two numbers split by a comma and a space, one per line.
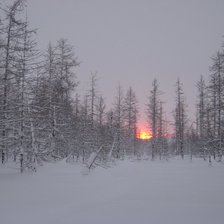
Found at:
[43, 117]
[141, 140]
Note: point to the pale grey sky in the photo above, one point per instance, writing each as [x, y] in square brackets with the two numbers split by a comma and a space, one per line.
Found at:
[131, 42]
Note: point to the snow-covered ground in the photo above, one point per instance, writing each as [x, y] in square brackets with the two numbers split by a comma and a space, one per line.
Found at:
[173, 192]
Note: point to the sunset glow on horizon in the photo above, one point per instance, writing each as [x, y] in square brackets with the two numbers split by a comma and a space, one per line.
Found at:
[143, 134]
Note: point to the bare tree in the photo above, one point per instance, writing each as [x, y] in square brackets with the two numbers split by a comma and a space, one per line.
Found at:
[26, 67]
[100, 111]
[119, 121]
[201, 115]
[217, 93]
[153, 114]
[180, 119]
[130, 117]
[162, 141]
[12, 31]
[93, 97]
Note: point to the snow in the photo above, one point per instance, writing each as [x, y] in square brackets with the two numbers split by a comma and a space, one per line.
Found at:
[169, 192]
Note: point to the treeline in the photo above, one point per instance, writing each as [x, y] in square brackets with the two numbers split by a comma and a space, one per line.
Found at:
[43, 118]
[210, 109]
[204, 136]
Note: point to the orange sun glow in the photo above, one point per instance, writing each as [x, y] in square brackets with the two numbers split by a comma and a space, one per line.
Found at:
[144, 135]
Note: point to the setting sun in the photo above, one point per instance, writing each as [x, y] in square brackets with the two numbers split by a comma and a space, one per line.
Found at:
[144, 135]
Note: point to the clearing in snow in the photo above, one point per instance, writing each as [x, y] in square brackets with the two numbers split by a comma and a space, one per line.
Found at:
[169, 192]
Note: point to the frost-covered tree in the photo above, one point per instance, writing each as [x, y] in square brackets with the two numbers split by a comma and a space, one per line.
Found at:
[130, 118]
[100, 112]
[119, 123]
[180, 119]
[26, 70]
[216, 102]
[93, 97]
[162, 143]
[153, 114]
[11, 45]
[19, 61]
[54, 102]
[201, 115]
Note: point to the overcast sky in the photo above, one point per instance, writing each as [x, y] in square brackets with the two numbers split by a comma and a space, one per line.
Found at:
[131, 42]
